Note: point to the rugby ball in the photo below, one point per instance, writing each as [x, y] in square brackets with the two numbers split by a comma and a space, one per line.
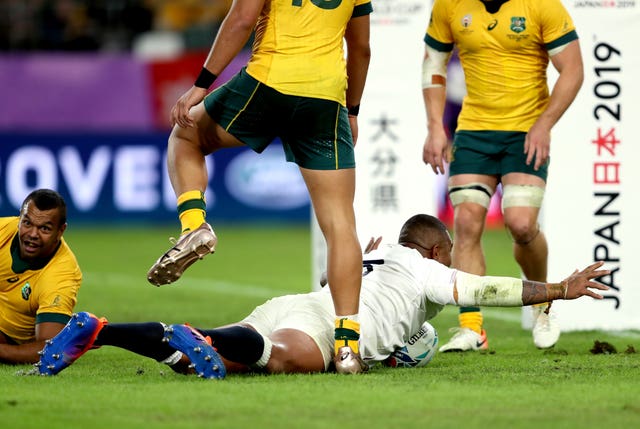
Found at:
[417, 351]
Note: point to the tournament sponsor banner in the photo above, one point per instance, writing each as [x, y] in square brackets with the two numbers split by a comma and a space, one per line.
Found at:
[169, 79]
[590, 212]
[123, 178]
[73, 92]
[392, 181]
[90, 92]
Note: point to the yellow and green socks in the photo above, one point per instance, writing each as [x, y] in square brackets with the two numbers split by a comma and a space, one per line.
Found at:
[192, 209]
[470, 317]
[347, 333]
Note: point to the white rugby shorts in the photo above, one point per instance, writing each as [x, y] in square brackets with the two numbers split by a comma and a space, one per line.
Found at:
[311, 313]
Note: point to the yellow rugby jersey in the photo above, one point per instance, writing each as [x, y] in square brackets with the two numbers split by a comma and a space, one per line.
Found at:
[298, 46]
[503, 55]
[34, 294]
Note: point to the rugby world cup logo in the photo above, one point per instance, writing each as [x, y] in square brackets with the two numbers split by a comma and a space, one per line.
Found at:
[517, 24]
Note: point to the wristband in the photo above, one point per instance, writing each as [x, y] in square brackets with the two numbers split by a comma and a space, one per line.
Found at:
[205, 79]
[354, 110]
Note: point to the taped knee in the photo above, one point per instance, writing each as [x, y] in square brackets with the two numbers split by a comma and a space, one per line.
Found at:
[522, 196]
[478, 193]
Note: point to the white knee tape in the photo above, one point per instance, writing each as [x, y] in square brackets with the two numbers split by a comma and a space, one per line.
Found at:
[522, 196]
[478, 193]
[488, 290]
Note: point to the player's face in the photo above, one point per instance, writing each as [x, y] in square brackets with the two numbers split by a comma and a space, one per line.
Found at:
[39, 232]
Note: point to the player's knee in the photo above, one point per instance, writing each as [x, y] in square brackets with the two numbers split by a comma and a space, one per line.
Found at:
[523, 233]
[470, 204]
[520, 205]
[522, 230]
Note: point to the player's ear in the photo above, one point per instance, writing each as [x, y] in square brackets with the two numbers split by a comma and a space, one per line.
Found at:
[434, 252]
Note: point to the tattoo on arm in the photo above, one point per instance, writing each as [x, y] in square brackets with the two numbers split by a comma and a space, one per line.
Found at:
[538, 292]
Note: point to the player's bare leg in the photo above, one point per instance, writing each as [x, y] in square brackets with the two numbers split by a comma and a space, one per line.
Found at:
[468, 255]
[332, 193]
[284, 351]
[294, 351]
[470, 195]
[187, 149]
[531, 251]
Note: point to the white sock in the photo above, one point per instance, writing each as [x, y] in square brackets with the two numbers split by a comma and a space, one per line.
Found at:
[353, 317]
[266, 353]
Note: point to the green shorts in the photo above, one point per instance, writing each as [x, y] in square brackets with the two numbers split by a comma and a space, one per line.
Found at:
[493, 153]
[315, 133]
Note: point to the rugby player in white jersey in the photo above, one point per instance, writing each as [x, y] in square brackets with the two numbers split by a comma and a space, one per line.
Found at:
[403, 286]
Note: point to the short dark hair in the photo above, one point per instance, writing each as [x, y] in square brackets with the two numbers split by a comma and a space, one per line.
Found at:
[419, 226]
[47, 199]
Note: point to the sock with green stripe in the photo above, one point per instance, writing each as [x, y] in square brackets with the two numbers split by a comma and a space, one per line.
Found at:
[192, 209]
[347, 333]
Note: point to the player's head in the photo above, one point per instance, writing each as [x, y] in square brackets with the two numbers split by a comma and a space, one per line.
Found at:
[429, 236]
[43, 219]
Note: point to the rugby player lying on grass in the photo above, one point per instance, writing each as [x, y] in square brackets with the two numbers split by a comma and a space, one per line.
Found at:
[404, 285]
[40, 276]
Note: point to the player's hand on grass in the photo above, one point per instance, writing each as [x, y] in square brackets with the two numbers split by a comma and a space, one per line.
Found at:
[180, 112]
[580, 283]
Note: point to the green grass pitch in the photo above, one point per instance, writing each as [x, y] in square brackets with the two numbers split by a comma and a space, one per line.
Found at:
[513, 385]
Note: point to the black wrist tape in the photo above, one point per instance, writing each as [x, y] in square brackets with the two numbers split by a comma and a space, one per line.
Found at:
[205, 79]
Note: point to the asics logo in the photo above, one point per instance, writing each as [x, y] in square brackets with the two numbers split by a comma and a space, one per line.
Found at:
[492, 25]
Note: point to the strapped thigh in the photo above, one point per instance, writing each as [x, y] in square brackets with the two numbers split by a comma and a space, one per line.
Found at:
[475, 192]
[522, 196]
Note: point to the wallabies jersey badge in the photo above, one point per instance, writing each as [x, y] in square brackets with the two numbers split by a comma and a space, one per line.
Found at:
[518, 24]
[26, 291]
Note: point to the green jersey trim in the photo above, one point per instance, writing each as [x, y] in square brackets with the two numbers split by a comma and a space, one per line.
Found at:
[52, 317]
[563, 40]
[438, 46]
[362, 10]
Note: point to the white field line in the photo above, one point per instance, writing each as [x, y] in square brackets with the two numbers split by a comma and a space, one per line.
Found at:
[212, 285]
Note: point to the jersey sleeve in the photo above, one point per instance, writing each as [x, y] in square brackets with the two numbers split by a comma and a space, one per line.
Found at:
[438, 35]
[438, 282]
[58, 289]
[557, 26]
[362, 7]
[8, 223]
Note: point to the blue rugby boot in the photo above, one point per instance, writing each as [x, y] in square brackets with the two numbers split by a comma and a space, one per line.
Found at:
[74, 340]
[204, 359]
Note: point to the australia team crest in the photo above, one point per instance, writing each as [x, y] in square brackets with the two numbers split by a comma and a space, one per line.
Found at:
[518, 24]
[26, 291]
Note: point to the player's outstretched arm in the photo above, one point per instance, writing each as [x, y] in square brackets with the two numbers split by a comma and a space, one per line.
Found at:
[578, 284]
[490, 291]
